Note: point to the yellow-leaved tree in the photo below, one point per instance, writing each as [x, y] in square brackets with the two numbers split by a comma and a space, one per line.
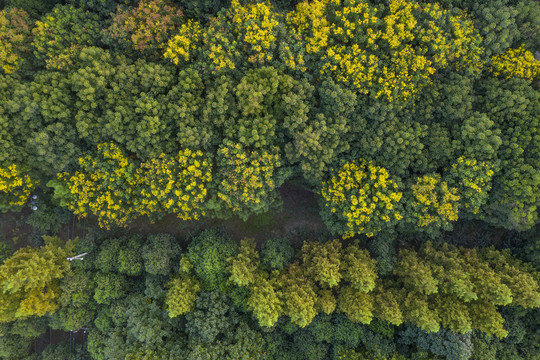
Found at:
[29, 281]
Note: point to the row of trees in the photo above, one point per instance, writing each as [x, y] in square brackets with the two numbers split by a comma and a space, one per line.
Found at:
[417, 87]
[143, 297]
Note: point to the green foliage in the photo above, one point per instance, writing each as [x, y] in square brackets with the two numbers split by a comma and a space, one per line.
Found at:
[208, 252]
[299, 296]
[62, 33]
[243, 267]
[13, 346]
[395, 143]
[496, 23]
[48, 219]
[478, 137]
[383, 250]
[160, 254]
[46, 110]
[130, 260]
[76, 305]
[472, 179]
[63, 351]
[36, 8]
[109, 287]
[462, 287]
[323, 262]
[356, 304]
[276, 253]
[444, 343]
[512, 104]
[247, 181]
[265, 302]
[216, 331]
[359, 269]
[5, 252]
[29, 281]
[113, 94]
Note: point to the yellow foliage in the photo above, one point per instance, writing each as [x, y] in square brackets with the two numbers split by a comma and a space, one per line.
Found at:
[515, 63]
[255, 24]
[182, 45]
[15, 187]
[117, 191]
[434, 202]
[363, 197]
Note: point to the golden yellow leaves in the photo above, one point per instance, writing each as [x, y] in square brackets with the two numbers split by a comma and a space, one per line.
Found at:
[435, 203]
[516, 62]
[181, 46]
[117, 190]
[15, 187]
[361, 199]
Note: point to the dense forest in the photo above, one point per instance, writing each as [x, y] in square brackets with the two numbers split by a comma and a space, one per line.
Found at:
[256, 179]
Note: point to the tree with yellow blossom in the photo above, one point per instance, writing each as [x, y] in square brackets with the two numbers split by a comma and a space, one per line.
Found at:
[431, 204]
[246, 182]
[360, 198]
[15, 187]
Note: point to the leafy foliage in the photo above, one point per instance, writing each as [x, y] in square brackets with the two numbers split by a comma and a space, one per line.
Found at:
[208, 252]
[360, 199]
[146, 27]
[61, 34]
[118, 190]
[15, 36]
[15, 188]
[29, 281]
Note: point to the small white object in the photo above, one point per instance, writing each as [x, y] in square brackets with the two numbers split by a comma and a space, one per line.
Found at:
[34, 207]
[34, 197]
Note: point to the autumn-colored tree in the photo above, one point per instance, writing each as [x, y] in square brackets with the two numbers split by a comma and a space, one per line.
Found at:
[247, 181]
[117, 189]
[29, 281]
[183, 290]
[516, 62]
[322, 262]
[15, 38]
[146, 27]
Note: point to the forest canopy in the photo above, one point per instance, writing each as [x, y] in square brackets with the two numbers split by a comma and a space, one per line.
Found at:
[414, 126]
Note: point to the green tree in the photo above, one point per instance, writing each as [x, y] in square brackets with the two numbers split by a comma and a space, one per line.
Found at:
[299, 296]
[160, 253]
[130, 260]
[62, 33]
[208, 252]
[323, 262]
[125, 102]
[277, 253]
[513, 104]
[356, 304]
[109, 287]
